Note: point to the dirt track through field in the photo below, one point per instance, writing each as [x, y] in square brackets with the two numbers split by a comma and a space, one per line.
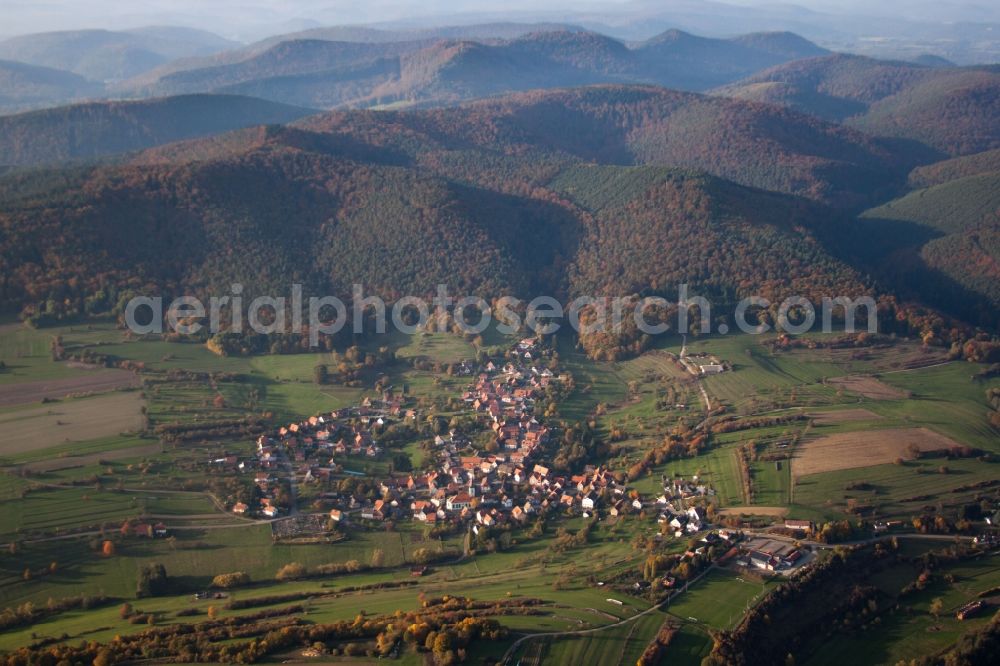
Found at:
[843, 416]
[88, 381]
[777, 511]
[864, 448]
[868, 387]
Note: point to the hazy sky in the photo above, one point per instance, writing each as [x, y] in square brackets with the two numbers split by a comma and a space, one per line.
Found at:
[244, 19]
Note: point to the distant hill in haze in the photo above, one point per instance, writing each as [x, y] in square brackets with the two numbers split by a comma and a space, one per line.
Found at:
[786, 45]
[26, 86]
[951, 109]
[317, 72]
[681, 60]
[477, 31]
[356, 34]
[931, 60]
[87, 131]
[101, 55]
[444, 66]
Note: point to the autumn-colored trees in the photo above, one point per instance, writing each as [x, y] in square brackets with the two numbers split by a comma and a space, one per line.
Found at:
[291, 571]
[231, 580]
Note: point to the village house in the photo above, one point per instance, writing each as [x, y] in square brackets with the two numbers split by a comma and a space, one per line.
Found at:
[458, 502]
[804, 525]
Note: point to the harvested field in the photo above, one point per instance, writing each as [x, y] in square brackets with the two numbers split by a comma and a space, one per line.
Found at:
[848, 450]
[843, 416]
[89, 381]
[72, 421]
[868, 387]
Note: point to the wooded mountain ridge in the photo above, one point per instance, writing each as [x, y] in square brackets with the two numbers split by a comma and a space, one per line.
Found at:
[599, 190]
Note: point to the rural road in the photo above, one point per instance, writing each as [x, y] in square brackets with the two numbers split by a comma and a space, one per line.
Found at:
[860, 542]
[914, 369]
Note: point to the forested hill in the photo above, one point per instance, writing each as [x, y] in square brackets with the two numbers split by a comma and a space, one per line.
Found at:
[954, 232]
[476, 198]
[952, 109]
[751, 144]
[86, 131]
[502, 196]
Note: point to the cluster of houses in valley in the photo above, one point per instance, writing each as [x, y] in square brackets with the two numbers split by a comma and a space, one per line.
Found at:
[508, 483]
[312, 450]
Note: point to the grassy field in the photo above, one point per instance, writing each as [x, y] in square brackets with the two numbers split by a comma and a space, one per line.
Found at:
[946, 399]
[197, 554]
[438, 347]
[89, 451]
[56, 509]
[27, 354]
[616, 645]
[718, 467]
[159, 355]
[772, 482]
[596, 383]
[691, 644]
[760, 380]
[718, 600]
[897, 490]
